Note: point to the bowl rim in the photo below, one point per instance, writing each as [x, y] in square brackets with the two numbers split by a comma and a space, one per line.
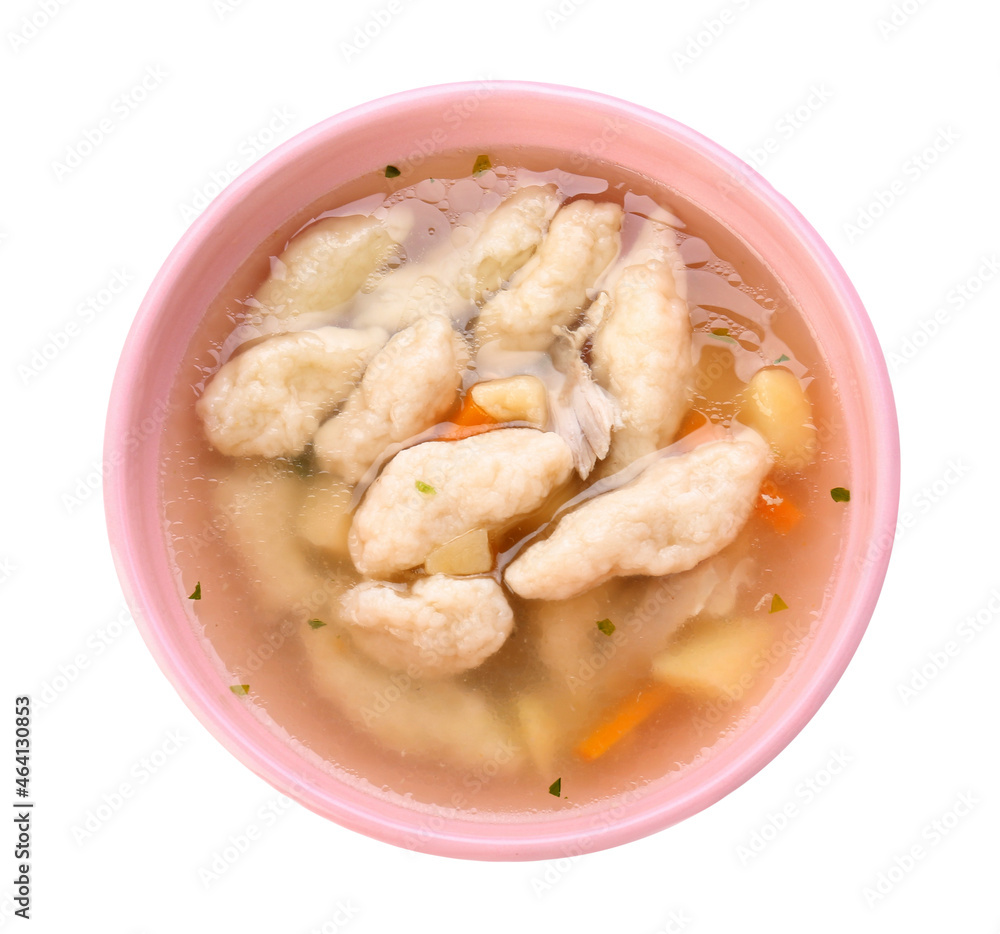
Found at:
[474, 839]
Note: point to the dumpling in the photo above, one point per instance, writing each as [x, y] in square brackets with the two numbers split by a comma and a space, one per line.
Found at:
[680, 510]
[551, 289]
[440, 626]
[434, 719]
[414, 291]
[269, 400]
[433, 492]
[324, 266]
[451, 281]
[256, 505]
[646, 612]
[509, 237]
[565, 632]
[642, 354]
[410, 384]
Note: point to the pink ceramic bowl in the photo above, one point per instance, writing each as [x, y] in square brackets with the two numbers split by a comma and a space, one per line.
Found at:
[482, 117]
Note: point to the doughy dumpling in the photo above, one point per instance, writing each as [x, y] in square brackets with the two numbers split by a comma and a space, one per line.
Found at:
[551, 288]
[680, 510]
[440, 626]
[565, 631]
[646, 612]
[509, 237]
[642, 355]
[412, 292]
[433, 492]
[435, 719]
[324, 266]
[410, 384]
[257, 504]
[655, 241]
[269, 400]
[451, 281]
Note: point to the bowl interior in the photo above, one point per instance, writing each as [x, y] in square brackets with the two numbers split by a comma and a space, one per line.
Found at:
[407, 128]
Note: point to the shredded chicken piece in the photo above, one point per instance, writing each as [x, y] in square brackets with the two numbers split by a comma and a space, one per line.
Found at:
[584, 413]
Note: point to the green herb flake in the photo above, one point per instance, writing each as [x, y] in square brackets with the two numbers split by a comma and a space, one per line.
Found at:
[482, 164]
[782, 358]
[196, 593]
[840, 494]
[606, 626]
[777, 604]
[555, 788]
[392, 172]
[425, 487]
[240, 690]
[722, 334]
[303, 464]
[316, 623]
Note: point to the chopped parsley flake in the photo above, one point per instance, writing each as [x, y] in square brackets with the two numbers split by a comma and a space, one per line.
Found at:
[777, 604]
[425, 487]
[606, 626]
[240, 690]
[840, 494]
[782, 358]
[316, 623]
[196, 593]
[302, 465]
[556, 787]
[722, 334]
[482, 164]
[392, 172]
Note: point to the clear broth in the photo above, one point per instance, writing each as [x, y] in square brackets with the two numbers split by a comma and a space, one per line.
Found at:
[729, 286]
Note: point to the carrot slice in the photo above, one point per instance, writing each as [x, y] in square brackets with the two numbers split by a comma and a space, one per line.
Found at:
[623, 720]
[468, 421]
[471, 414]
[774, 505]
[458, 432]
[692, 421]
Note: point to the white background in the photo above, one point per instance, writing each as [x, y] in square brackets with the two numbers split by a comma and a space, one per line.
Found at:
[871, 100]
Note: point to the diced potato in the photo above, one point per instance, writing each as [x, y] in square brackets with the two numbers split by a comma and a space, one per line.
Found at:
[714, 658]
[468, 554]
[541, 731]
[514, 399]
[325, 518]
[775, 404]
